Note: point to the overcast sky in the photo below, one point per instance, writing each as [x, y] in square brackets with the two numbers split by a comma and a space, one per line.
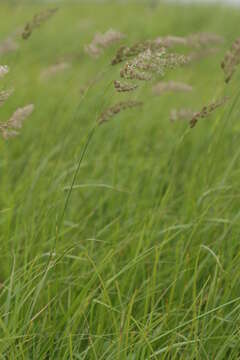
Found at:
[216, 1]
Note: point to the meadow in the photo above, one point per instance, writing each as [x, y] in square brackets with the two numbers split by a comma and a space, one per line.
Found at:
[118, 241]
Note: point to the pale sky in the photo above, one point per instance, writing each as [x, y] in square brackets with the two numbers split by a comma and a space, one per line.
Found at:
[235, 2]
[216, 1]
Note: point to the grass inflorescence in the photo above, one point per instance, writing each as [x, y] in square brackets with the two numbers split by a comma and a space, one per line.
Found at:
[119, 241]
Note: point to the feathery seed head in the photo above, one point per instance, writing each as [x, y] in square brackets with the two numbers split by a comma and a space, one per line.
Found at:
[207, 110]
[4, 69]
[171, 86]
[231, 60]
[54, 69]
[102, 41]
[8, 128]
[124, 87]
[37, 21]
[149, 62]
[4, 95]
[182, 114]
[8, 45]
[117, 108]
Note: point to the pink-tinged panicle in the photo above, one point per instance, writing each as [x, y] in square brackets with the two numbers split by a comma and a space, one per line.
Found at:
[3, 70]
[102, 41]
[182, 114]
[193, 40]
[54, 69]
[204, 40]
[171, 86]
[8, 45]
[10, 128]
[207, 110]
[202, 53]
[37, 21]
[117, 108]
[231, 61]
[4, 95]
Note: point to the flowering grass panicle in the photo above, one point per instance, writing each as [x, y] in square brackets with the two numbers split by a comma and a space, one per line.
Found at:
[124, 87]
[204, 39]
[149, 62]
[202, 53]
[54, 69]
[4, 69]
[231, 60]
[117, 108]
[37, 21]
[207, 110]
[8, 45]
[4, 95]
[102, 41]
[193, 40]
[9, 128]
[124, 52]
[171, 86]
[182, 114]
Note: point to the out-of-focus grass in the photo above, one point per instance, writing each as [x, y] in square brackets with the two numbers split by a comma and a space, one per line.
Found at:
[147, 259]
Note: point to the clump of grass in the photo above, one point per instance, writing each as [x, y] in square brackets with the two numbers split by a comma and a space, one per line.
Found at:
[117, 108]
[37, 21]
[231, 60]
[171, 86]
[102, 41]
[9, 128]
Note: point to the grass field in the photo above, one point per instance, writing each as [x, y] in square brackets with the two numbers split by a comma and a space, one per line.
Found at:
[144, 261]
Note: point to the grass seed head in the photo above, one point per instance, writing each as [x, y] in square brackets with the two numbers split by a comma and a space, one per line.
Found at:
[4, 95]
[149, 62]
[231, 61]
[171, 86]
[37, 21]
[117, 108]
[207, 110]
[54, 69]
[10, 128]
[4, 69]
[102, 41]
[196, 40]
[124, 87]
[182, 114]
[193, 40]
[8, 45]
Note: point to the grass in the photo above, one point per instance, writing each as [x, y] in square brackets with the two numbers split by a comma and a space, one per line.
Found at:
[146, 262]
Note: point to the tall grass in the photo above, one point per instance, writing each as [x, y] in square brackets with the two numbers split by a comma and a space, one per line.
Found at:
[129, 250]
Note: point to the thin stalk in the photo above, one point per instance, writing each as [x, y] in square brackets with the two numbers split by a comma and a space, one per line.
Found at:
[84, 150]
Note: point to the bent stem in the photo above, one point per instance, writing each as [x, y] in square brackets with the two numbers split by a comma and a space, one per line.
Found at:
[84, 151]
